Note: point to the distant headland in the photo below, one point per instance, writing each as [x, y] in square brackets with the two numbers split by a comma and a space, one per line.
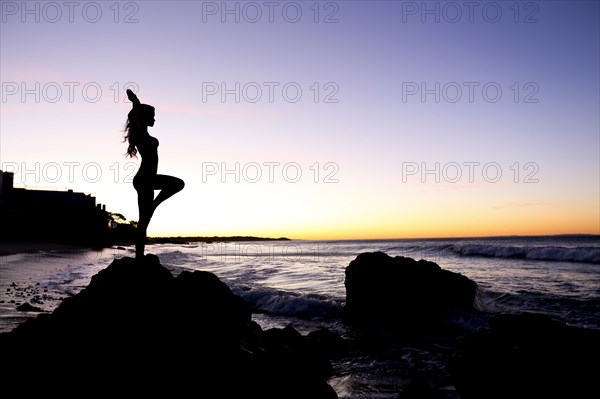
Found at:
[185, 240]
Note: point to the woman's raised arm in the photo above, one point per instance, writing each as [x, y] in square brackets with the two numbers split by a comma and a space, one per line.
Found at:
[133, 98]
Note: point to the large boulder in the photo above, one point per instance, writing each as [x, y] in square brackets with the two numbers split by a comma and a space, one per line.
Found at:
[527, 356]
[138, 330]
[402, 292]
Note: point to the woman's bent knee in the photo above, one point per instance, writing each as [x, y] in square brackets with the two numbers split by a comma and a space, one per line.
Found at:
[179, 185]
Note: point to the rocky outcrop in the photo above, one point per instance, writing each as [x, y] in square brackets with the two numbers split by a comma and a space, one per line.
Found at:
[402, 292]
[138, 330]
[27, 307]
[527, 356]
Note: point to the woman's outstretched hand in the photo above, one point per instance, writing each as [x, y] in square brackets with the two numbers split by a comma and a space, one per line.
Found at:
[133, 98]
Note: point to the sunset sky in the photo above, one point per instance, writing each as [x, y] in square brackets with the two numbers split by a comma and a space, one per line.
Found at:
[315, 120]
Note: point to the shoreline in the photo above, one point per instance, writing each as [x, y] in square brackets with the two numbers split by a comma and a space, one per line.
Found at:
[27, 269]
[23, 264]
[8, 248]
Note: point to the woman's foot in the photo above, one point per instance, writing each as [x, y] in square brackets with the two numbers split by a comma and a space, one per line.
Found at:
[139, 251]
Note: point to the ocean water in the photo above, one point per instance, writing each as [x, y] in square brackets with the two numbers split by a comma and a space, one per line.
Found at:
[302, 283]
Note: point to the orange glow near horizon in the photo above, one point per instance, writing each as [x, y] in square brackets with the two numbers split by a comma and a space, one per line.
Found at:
[374, 232]
[447, 217]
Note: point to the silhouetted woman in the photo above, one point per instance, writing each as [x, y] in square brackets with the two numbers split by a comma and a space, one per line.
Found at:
[146, 180]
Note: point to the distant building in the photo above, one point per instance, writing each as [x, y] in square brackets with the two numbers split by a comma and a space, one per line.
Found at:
[45, 215]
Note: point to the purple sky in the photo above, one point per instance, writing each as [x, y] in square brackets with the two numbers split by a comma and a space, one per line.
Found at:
[344, 119]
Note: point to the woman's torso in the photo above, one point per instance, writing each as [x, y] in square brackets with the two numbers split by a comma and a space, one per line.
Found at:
[148, 148]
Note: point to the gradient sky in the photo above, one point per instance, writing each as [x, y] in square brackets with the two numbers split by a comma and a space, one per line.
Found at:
[525, 160]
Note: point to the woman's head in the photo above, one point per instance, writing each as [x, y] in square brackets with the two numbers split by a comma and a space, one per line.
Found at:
[138, 120]
[142, 115]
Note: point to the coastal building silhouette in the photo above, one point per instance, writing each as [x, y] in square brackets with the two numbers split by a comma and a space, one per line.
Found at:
[54, 216]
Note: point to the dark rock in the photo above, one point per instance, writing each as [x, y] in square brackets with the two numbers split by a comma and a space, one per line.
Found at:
[26, 307]
[137, 329]
[403, 292]
[329, 342]
[418, 388]
[527, 356]
[287, 356]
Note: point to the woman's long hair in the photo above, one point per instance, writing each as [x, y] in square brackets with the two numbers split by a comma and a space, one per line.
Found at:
[133, 128]
[130, 135]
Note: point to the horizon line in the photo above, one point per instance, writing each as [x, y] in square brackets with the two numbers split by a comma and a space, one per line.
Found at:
[382, 238]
